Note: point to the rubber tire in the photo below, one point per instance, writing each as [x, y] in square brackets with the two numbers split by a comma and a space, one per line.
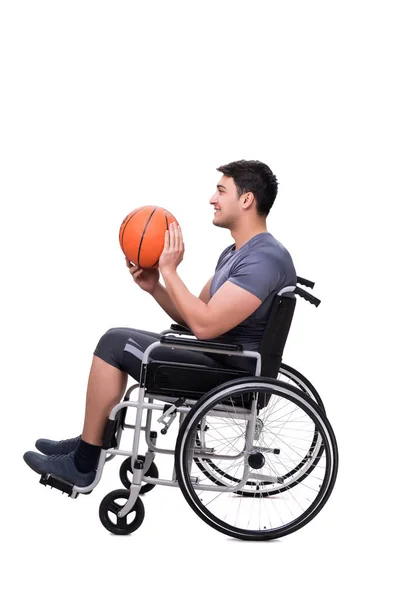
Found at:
[138, 507]
[126, 467]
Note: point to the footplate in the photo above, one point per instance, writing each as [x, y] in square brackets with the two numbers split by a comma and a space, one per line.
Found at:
[56, 482]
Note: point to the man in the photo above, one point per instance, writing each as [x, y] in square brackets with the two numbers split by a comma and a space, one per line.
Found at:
[231, 307]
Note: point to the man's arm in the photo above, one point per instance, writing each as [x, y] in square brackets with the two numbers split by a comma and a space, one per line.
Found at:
[161, 295]
[231, 304]
[205, 294]
[163, 298]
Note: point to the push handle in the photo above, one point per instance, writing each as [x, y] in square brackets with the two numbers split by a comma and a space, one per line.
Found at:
[305, 282]
[307, 296]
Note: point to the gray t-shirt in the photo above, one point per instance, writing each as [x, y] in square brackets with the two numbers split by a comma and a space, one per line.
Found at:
[261, 266]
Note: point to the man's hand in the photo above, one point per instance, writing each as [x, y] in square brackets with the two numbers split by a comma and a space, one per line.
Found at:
[147, 279]
[174, 249]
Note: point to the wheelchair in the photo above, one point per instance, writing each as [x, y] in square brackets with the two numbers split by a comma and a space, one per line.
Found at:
[255, 455]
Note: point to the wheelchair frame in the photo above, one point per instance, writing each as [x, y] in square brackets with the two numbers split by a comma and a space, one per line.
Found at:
[268, 364]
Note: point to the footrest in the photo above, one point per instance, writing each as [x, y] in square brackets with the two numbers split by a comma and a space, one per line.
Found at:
[57, 482]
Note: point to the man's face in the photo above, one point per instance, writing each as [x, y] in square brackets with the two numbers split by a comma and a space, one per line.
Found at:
[225, 202]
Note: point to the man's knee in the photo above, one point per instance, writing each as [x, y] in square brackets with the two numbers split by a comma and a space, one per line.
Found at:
[116, 333]
[110, 346]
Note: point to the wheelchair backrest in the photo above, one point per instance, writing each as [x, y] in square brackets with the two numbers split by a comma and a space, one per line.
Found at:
[279, 320]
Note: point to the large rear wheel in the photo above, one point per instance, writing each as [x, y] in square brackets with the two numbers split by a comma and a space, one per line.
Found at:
[223, 434]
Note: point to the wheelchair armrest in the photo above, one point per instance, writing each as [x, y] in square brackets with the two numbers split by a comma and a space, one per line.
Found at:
[178, 341]
[181, 328]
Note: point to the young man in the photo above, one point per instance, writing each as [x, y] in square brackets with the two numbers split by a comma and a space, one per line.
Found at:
[232, 307]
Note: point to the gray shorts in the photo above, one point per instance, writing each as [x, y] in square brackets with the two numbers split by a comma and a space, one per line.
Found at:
[124, 347]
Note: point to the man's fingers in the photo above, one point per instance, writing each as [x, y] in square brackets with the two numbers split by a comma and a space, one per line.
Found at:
[133, 269]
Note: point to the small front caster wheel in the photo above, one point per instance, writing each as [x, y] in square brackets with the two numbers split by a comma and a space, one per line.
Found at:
[112, 504]
[125, 474]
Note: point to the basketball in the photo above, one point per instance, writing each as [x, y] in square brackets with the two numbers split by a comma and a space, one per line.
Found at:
[142, 235]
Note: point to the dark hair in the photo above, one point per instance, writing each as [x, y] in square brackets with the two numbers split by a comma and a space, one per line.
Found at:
[253, 176]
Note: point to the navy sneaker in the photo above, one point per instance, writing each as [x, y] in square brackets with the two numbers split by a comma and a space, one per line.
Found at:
[61, 465]
[50, 447]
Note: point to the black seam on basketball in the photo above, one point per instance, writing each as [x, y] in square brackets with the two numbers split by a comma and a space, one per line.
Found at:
[141, 239]
[166, 221]
[131, 217]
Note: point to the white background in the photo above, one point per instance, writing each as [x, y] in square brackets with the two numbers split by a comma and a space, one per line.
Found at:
[106, 106]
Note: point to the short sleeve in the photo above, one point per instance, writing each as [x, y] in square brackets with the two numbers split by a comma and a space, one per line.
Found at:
[257, 273]
[221, 257]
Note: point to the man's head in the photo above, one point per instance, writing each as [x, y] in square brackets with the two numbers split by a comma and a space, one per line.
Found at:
[246, 190]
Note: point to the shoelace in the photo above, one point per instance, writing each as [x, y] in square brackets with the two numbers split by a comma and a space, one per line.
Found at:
[75, 439]
[57, 456]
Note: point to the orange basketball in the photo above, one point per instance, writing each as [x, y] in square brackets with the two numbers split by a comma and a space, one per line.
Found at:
[142, 235]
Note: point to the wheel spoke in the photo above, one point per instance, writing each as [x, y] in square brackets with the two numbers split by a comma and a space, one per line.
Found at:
[122, 522]
[114, 508]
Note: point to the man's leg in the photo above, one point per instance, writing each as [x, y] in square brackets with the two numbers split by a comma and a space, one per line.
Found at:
[76, 460]
[106, 386]
[119, 352]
